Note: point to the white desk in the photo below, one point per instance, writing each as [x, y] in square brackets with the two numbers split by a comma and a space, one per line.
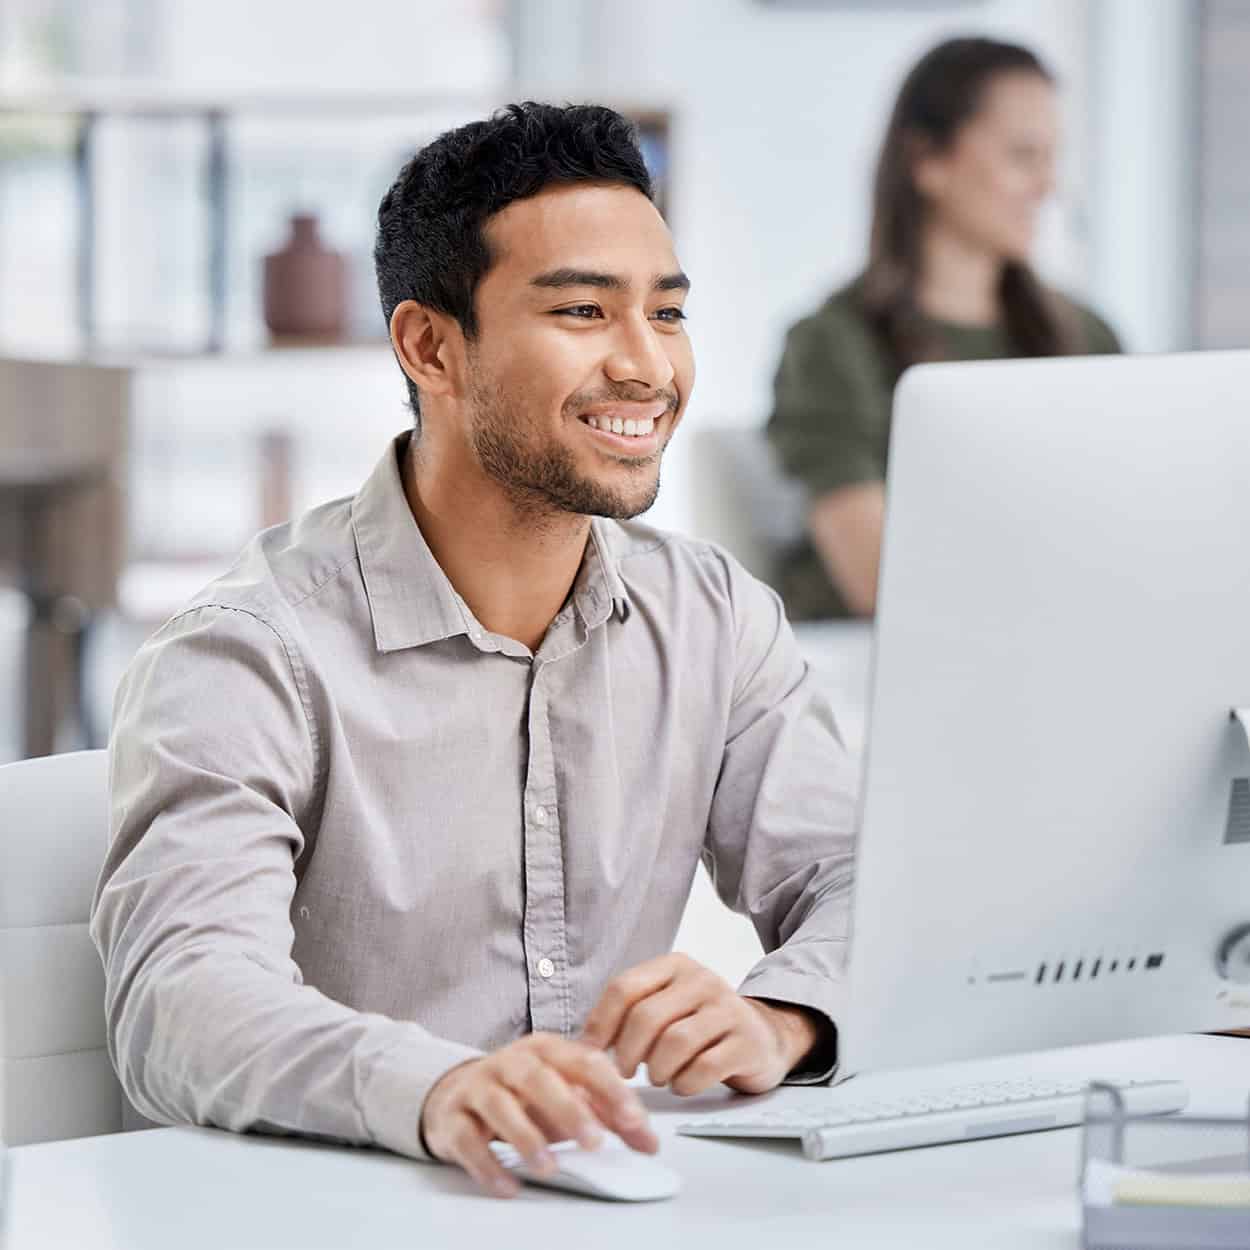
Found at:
[194, 1188]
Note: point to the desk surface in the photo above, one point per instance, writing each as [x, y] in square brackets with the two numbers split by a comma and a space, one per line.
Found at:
[195, 1188]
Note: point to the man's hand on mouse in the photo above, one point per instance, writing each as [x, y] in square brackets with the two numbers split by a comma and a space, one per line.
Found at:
[690, 1028]
[694, 1031]
[541, 1088]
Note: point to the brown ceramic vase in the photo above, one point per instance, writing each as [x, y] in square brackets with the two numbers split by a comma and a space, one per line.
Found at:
[305, 286]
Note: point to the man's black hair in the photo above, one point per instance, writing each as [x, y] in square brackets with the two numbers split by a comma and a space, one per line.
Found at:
[430, 243]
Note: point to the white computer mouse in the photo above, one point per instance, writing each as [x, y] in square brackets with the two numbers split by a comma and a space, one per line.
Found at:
[613, 1171]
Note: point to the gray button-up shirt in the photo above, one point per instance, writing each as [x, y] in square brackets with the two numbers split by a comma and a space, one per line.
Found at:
[357, 838]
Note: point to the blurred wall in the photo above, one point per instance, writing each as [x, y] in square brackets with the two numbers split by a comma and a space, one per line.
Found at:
[1144, 156]
[412, 45]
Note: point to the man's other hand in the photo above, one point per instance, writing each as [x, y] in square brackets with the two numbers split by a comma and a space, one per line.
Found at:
[693, 1031]
[539, 1089]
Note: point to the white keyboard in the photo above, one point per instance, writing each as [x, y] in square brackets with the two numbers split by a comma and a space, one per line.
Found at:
[840, 1125]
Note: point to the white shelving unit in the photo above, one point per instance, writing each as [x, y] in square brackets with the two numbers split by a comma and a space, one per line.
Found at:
[91, 107]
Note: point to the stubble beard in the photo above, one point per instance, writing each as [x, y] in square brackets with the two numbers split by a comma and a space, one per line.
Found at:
[543, 482]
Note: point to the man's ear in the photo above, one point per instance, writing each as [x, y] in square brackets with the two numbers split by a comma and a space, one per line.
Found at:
[429, 346]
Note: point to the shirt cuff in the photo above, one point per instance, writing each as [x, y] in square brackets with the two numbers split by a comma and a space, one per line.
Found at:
[397, 1082]
[826, 998]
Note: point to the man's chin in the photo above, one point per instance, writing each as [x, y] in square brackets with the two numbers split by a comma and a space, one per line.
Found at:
[622, 509]
[614, 505]
[631, 500]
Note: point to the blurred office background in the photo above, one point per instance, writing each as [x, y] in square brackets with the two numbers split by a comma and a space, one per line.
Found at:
[152, 153]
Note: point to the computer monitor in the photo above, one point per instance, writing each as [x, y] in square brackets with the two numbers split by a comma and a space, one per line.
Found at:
[1056, 805]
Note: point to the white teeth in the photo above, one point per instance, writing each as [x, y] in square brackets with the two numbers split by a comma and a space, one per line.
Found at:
[629, 427]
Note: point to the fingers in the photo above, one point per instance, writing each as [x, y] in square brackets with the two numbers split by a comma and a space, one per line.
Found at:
[616, 1105]
[665, 1023]
[647, 1021]
[466, 1142]
[690, 1028]
[684, 1041]
[710, 1067]
[601, 1099]
[536, 1090]
[554, 1103]
[634, 1129]
[502, 1114]
[623, 991]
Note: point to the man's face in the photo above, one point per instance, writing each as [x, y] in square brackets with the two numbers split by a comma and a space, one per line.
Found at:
[581, 368]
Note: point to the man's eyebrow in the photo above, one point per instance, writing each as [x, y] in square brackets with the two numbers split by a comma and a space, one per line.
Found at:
[566, 277]
[672, 282]
[580, 277]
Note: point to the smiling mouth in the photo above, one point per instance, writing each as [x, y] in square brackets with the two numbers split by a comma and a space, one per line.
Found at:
[626, 421]
[626, 427]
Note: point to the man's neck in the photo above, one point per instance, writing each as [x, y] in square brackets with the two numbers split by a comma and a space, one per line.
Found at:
[514, 569]
[959, 281]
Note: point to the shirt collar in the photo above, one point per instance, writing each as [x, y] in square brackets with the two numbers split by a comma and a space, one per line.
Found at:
[410, 599]
[597, 591]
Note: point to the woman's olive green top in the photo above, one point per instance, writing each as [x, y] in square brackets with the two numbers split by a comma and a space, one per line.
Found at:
[831, 419]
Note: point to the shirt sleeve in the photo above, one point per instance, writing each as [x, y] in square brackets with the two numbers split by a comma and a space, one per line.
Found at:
[780, 841]
[829, 424]
[214, 759]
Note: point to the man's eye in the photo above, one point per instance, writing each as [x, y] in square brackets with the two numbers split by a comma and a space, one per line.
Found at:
[673, 314]
[583, 311]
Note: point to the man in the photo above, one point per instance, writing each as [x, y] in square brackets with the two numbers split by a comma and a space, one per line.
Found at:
[406, 806]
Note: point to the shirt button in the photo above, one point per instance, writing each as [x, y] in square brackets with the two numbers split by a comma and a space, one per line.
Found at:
[540, 815]
[546, 968]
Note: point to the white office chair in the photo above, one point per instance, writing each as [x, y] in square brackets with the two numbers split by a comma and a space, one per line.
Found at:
[56, 1080]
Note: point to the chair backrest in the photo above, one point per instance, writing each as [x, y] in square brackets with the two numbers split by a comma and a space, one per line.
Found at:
[56, 1080]
[743, 500]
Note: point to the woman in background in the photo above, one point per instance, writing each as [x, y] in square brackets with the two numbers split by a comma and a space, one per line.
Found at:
[967, 162]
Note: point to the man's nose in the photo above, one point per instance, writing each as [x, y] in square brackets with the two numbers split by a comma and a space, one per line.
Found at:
[638, 355]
